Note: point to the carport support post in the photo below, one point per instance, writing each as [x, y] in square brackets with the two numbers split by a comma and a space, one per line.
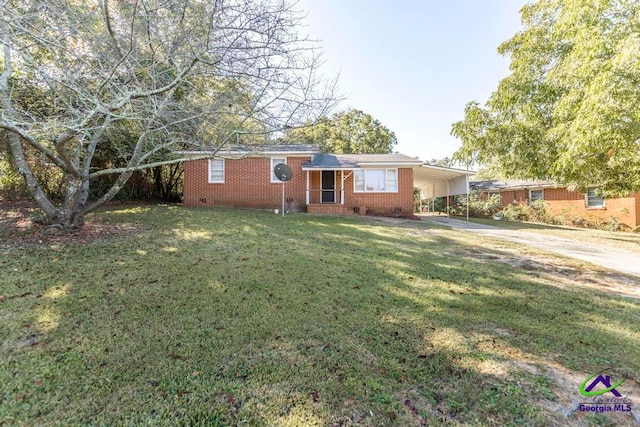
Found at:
[433, 199]
[466, 178]
[447, 199]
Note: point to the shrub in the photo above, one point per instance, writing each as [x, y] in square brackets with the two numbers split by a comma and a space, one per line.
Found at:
[613, 224]
[483, 208]
[435, 205]
[514, 212]
[535, 212]
[478, 207]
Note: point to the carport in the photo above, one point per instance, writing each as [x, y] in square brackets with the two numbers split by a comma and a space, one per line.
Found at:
[438, 181]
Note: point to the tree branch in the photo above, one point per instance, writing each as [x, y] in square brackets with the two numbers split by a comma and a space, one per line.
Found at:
[38, 146]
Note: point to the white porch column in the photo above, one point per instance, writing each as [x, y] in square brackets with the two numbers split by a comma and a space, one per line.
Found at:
[342, 187]
[448, 199]
[307, 188]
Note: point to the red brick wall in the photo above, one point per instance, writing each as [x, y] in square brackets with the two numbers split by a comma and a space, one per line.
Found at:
[508, 197]
[572, 204]
[636, 196]
[328, 209]
[247, 184]
[563, 201]
[383, 203]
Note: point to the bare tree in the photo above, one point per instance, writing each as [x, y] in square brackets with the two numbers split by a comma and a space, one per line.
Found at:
[175, 71]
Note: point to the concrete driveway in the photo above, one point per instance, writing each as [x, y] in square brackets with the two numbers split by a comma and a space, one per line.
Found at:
[612, 258]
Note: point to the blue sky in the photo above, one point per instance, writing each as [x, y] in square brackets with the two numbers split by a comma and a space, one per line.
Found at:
[414, 64]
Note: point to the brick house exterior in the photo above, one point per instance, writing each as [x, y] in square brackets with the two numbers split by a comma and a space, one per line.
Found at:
[242, 177]
[563, 202]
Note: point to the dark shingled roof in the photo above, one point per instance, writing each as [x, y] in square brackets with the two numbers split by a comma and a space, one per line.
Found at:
[267, 149]
[354, 161]
[241, 150]
[283, 148]
[496, 185]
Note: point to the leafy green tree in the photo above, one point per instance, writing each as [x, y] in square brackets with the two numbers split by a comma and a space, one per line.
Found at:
[122, 86]
[348, 132]
[445, 162]
[570, 109]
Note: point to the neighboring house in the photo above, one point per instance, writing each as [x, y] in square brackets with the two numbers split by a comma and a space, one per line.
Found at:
[243, 177]
[589, 206]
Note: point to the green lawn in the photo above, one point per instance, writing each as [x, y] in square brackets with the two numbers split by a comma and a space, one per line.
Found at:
[221, 317]
[618, 239]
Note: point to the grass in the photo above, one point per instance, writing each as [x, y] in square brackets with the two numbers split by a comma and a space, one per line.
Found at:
[218, 317]
[617, 239]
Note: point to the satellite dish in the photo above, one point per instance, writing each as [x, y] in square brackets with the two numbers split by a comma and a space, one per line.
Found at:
[283, 172]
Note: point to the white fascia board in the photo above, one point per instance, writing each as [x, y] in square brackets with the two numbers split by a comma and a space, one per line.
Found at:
[390, 165]
[366, 166]
[315, 168]
[446, 169]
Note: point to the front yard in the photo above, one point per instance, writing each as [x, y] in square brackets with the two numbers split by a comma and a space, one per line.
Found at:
[219, 317]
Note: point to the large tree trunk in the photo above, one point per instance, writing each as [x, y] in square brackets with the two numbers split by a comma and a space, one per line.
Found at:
[33, 186]
[71, 210]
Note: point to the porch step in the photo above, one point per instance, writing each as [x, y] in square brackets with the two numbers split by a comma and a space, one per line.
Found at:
[328, 209]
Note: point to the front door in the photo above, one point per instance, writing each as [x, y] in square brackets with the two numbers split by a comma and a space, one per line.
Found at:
[328, 186]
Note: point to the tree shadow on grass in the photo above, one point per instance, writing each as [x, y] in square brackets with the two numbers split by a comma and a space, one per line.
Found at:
[303, 321]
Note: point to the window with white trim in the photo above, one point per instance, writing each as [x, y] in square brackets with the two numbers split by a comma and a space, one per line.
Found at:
[375, 181]
[594, 200]
[536, 195]
[392, 180]
[491, 194]
[216, 171]
[276, 161]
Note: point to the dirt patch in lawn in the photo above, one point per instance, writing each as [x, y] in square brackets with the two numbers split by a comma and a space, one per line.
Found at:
[555, 270]
[21, 226]
[562, 273]
[565, 407]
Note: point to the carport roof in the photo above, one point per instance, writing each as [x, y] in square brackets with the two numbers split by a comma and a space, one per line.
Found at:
[429, 174]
